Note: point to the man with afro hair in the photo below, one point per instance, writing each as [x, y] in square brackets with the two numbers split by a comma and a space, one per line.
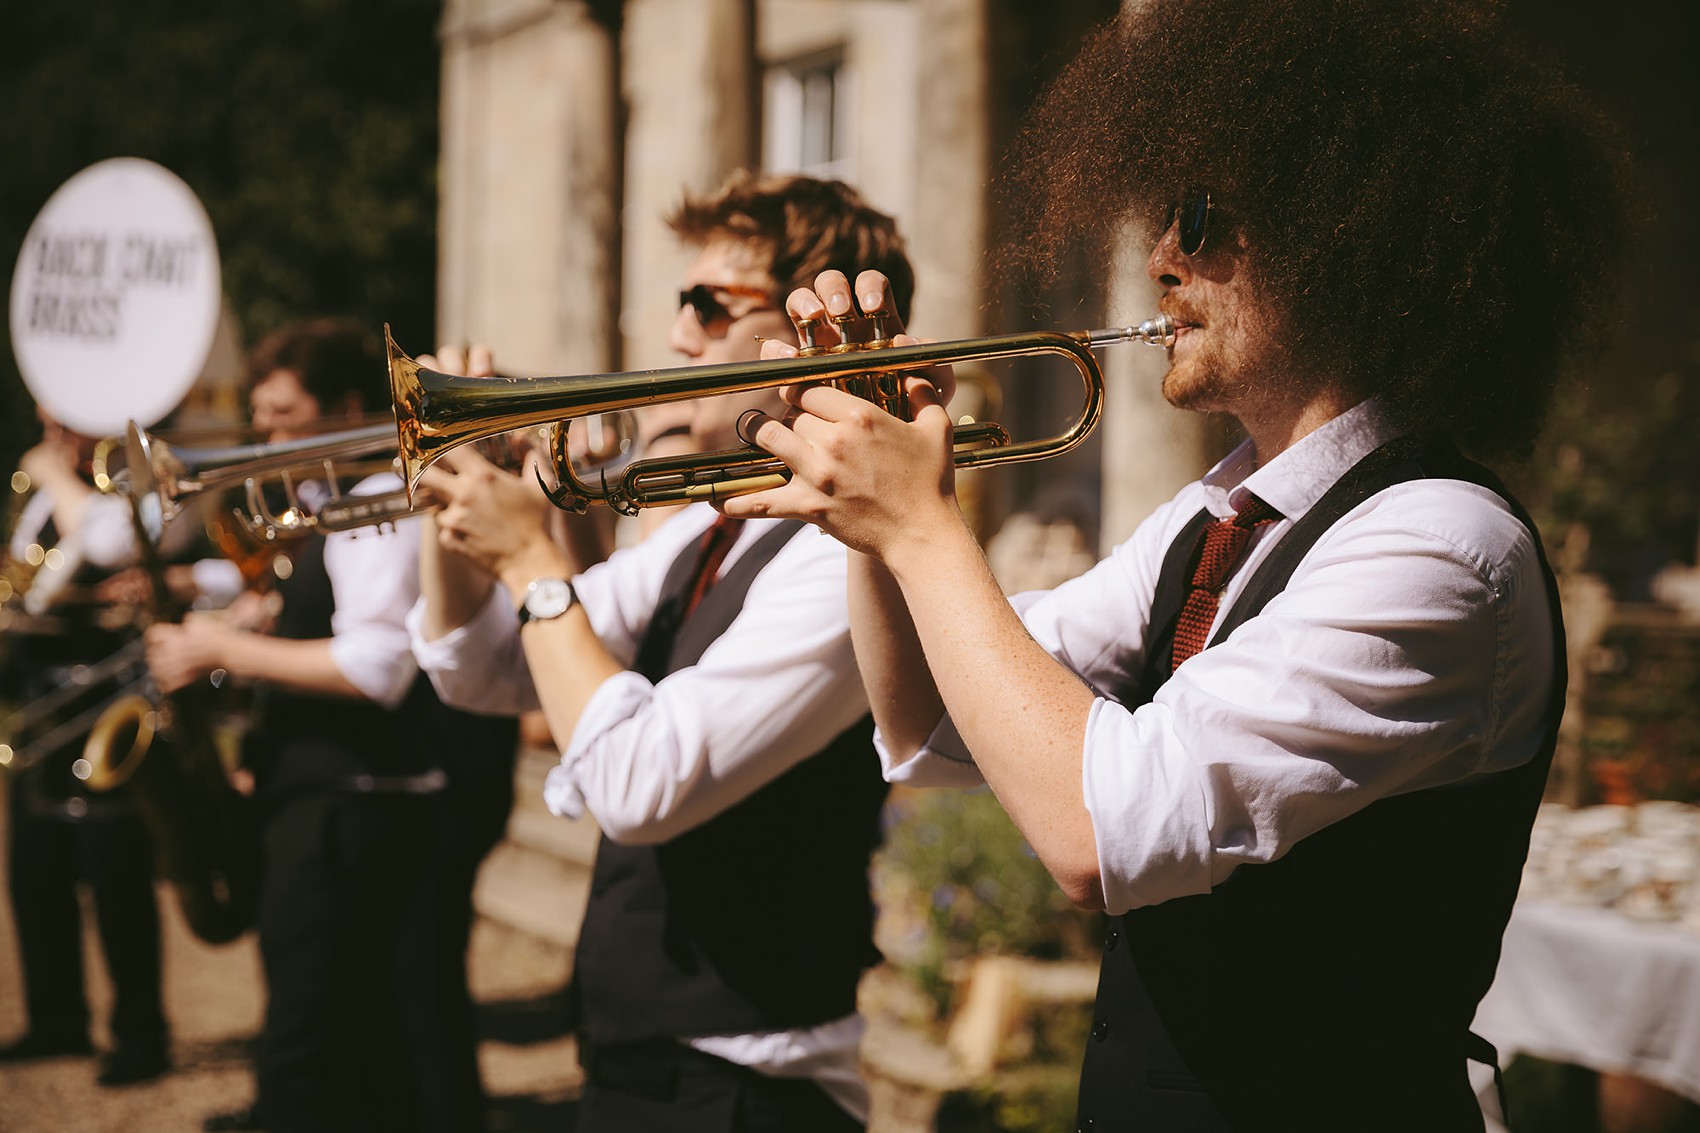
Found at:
[1292, 734]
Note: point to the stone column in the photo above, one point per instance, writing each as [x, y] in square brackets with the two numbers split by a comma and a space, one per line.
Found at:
[690, 94]
[530, 177]
[947, 229]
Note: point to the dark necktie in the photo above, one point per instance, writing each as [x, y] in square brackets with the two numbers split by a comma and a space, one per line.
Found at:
[716, 541]
[1220, 548]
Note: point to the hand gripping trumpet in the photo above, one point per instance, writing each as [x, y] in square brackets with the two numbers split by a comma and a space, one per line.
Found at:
[436, 412]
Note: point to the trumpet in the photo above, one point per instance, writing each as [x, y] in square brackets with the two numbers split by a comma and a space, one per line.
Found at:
[163, 476]
[350, 511]
[436, 412]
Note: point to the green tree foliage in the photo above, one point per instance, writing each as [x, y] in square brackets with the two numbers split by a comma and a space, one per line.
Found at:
[307, 127]
[1615, 482]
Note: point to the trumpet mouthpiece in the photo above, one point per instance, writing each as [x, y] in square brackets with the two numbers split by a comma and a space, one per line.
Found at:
[1158, 331]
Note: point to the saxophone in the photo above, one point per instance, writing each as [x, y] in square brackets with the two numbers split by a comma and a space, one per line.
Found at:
[165, 750]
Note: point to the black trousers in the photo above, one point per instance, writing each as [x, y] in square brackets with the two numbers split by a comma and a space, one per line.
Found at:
[340, 875]
[109, 851]
[667, 1087]
[365, 911]
[436, 928]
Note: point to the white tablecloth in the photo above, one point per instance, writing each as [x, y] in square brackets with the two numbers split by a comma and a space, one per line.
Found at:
[1596, 988]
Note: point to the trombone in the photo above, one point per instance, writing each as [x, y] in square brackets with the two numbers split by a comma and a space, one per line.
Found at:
[436, 412]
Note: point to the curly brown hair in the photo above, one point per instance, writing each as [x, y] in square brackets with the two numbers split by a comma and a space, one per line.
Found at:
[810, 224]
[336, 360]
[1439, 215]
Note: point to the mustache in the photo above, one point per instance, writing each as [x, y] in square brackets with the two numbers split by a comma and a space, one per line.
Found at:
[1179, 315]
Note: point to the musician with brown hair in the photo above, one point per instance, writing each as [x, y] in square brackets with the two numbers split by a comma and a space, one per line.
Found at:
[702, 686]
[377, 802]
[60, 833]
[1293, 732]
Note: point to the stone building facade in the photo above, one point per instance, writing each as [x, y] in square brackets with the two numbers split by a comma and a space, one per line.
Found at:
[571, 127]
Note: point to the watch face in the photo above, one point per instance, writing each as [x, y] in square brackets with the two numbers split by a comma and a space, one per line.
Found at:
[548, 598]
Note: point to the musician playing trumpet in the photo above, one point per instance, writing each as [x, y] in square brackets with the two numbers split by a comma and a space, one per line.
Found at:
[377, 803]
[1293, 732]
[703, 690]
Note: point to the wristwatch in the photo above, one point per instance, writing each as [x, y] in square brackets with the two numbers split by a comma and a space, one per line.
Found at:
[546, 598]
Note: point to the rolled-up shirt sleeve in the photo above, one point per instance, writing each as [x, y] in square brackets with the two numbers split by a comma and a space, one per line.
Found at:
[1103, 648]
[1412, 648]
[217, 581]
[479, 666]
[652, 760]
[374, 577]
[943, 762]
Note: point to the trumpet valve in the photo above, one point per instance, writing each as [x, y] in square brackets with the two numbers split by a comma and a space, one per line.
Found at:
[806, 344]
[882, 331]
[859, 385]
[892, 395]
[841, 324]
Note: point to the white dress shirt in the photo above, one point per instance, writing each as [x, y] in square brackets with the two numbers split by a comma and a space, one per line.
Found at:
[218, 583]
[1411, 648]
[374, 578]
[653, 760]
[104, 537]
[374, 575]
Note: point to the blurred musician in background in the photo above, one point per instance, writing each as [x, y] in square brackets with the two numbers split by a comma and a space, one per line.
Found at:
[60, 832]
[722, 744]
[378, 803]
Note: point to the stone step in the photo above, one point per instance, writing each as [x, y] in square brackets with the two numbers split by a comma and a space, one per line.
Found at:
[569, 839]
[534, 893]
[535, 882]
[530, 769]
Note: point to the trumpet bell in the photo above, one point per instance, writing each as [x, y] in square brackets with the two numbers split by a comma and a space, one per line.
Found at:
[161, 476]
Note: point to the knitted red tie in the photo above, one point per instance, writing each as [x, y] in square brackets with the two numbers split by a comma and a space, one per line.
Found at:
[716, 541]
[1223, 543]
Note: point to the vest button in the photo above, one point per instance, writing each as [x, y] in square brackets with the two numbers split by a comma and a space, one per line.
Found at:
[1112, 940]
[1100, 1030]
[1086, 1126]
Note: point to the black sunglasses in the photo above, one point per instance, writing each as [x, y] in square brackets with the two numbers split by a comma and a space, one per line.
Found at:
[1193, 213]
[704, 299]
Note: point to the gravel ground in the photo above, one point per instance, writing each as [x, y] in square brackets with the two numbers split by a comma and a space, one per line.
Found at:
[214, 999]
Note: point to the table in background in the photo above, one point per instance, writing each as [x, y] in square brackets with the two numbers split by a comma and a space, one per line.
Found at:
[1601, 960]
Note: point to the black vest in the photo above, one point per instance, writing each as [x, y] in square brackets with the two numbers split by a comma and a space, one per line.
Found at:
[304, 741]
[1331, 989]
[757, 919]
